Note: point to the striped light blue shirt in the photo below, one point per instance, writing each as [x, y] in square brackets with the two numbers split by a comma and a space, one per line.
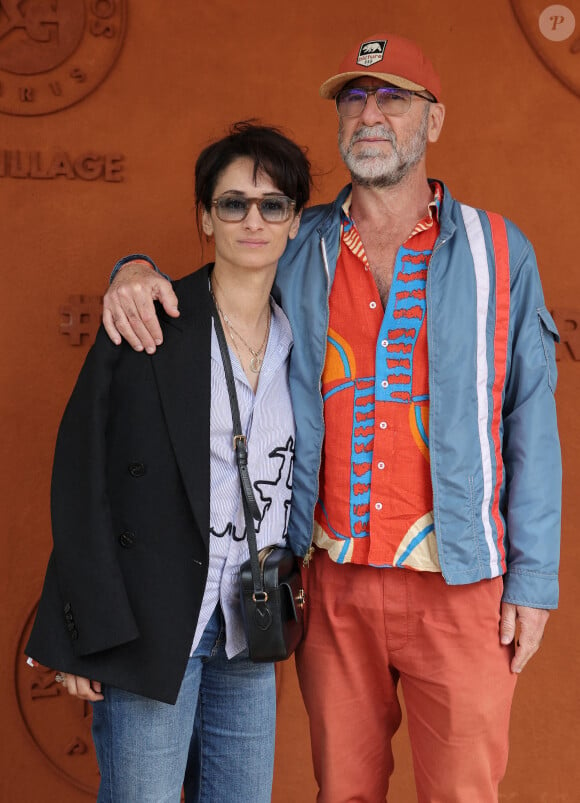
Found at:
[268, 423]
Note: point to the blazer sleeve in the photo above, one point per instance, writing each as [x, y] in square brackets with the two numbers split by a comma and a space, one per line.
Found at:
[96, 611]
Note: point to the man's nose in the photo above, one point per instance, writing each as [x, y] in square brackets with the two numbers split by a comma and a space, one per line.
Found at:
[371, 114]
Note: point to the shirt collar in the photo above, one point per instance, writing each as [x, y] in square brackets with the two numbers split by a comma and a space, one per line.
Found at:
[433, 208]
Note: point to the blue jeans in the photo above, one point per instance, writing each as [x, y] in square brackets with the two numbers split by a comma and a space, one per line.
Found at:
[219, 735]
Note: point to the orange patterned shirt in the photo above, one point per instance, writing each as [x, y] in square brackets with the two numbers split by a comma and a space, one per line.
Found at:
[375, 503]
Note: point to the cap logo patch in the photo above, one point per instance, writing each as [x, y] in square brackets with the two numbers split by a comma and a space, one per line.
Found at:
[371, 52]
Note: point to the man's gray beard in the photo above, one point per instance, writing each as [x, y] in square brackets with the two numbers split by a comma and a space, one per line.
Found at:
[367, 169]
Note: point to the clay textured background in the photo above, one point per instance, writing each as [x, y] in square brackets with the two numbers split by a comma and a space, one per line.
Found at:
[183, 72]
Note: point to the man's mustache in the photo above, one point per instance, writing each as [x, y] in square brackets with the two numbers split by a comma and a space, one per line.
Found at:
[373, 131]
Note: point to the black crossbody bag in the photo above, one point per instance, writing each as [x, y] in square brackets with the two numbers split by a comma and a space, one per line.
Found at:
[270, 585]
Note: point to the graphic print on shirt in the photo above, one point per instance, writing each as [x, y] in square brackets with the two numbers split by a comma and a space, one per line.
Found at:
[273, 495]
[376, 397]
[279, 491]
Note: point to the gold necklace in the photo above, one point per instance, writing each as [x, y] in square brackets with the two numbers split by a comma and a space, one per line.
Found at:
[257, 359]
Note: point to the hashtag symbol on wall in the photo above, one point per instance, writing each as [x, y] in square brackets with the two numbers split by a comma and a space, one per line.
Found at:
[81, 317]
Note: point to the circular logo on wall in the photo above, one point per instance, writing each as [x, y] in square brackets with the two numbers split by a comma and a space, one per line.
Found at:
[553, 32]
[53, 54]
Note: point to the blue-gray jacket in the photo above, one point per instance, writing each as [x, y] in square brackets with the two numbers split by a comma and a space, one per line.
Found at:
[493, 440]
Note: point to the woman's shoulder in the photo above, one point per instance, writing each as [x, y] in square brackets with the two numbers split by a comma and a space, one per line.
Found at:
[192, 292]
[194, 279]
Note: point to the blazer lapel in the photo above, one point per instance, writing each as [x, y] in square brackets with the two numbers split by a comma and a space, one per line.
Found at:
[182, 367]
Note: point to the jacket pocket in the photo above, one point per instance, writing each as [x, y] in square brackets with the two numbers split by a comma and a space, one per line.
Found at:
[549, 336]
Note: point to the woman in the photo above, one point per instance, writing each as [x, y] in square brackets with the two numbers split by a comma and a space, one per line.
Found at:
[140, 609]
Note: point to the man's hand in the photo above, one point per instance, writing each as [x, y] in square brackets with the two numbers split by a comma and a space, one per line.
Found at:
[128, 306]
[530, 624]
[82, 687]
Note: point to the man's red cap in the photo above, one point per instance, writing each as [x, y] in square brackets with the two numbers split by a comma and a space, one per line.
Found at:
[390, 58]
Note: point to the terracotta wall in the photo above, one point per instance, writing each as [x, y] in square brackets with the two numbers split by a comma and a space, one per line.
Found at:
[81, 185]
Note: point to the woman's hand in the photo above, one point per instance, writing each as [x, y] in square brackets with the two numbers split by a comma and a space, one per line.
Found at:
[81, 687]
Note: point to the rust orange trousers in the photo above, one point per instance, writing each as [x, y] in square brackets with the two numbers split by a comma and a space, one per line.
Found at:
[370, 631]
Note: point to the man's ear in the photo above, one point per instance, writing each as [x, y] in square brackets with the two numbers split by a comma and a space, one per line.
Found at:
[436, 117]
[206, 223]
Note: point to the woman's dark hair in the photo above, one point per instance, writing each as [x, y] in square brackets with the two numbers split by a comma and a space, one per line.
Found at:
[272, 152]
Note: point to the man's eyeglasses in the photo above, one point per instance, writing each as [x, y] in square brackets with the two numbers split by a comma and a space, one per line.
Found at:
[391, 100]
[235, 208]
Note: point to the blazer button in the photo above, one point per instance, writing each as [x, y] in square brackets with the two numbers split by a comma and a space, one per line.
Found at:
[127, 539]
[137, 469]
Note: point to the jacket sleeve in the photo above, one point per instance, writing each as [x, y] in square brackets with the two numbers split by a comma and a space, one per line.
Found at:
[130, 258]
[95, 608]
[531, 448]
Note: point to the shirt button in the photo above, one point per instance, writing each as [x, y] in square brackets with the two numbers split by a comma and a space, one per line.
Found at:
[380, 465]
[384, 384]
[373, 304]
[383, 425]
[384, 343]
[378, 506]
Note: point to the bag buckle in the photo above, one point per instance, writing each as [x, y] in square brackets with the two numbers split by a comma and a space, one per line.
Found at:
[260, 596]
[239, 439]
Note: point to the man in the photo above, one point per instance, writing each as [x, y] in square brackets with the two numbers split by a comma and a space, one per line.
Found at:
[437, 512]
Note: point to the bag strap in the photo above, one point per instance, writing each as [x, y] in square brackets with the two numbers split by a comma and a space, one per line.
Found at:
[251, 509]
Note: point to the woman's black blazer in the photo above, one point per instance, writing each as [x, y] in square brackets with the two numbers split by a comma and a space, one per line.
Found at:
[130, 509]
